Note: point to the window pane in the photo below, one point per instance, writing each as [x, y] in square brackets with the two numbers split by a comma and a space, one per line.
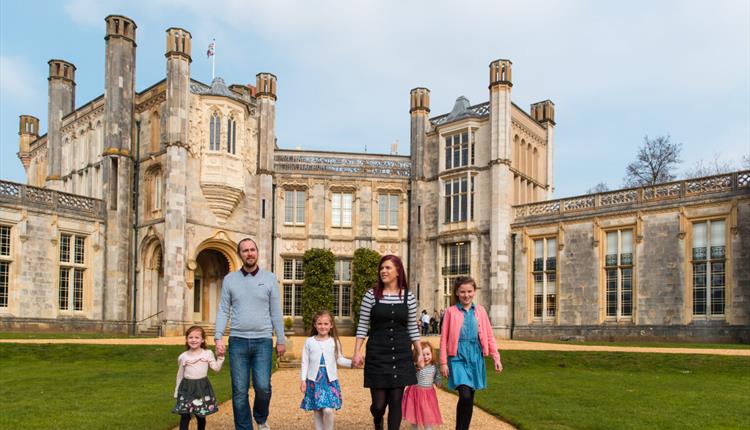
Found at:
[538, 305]
[301, 196]
[611, 242]
[347, 210]
[65, 248]
[336, 308]
[551, 248]
[336, 209]
[5, 240]
[626, 293]
[298, 300]
[299, 271]
[627, 241]
[79, 250]
[699, 235]
[611, 293]
[78, 290]
[464, 207]
[4, 283]
[456, 208]
[63, 285]
[539, 248]
[699, 289]
[394, 210]
[288, 269]
[346, 305]
[287, 299]
[383, 210]
[289, 206]
[717, 233]
[346, 270]
[551, 305]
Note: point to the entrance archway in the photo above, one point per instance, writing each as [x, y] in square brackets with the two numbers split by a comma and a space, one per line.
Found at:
[151, 297]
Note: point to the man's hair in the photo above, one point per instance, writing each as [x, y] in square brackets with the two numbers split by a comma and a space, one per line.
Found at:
[245, 240]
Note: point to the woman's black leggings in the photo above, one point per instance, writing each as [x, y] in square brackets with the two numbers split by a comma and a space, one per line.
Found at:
[464, 407]
[382, 397]
[185, 422]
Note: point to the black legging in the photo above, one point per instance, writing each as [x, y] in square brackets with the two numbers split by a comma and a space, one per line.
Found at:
[185, 422]
[464, 407]
[382, 397]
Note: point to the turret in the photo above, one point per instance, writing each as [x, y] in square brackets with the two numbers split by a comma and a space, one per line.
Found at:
[117, 171]
[28, 131]
[544, 113]
[266, 96]
[176, 108]
[62, 95]
[419, 111]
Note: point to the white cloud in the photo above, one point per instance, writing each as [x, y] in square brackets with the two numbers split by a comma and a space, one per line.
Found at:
[17, 81]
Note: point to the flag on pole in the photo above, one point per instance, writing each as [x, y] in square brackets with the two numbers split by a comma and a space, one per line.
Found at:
[211, 49]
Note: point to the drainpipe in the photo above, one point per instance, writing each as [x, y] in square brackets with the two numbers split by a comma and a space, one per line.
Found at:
[273, 226]
[136, 171]
[512, 284]
[408, 235]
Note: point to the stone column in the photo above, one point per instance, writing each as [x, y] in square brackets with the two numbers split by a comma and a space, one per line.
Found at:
[177, 106]
[266, 97]
[501, 196]
[419, 111]
[117, 161]
[28, 131]
[544, 113]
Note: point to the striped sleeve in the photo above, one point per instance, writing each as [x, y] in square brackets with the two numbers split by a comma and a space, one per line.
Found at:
[368, 301]
[412, 322]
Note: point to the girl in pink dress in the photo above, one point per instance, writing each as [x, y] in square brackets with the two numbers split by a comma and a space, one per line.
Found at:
[420, 404]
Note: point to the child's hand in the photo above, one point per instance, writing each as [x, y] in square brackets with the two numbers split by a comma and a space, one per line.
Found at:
[302, 386]
[357, 361]
[444, 370]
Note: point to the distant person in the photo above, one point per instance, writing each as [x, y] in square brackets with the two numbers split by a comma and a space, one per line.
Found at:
[434, 322]
[466, 339]
[425, 318]
[250, 299]
[193, 392]
[321, 353]
[420, 404]
[388, 314]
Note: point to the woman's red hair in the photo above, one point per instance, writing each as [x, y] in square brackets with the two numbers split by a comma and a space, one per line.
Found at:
[403, 285]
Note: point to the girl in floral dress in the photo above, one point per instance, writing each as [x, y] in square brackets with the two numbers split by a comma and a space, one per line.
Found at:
[319, 378]
[193, 392]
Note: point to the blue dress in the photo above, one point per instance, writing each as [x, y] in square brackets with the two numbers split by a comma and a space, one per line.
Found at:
[467, 367]
[322, 393]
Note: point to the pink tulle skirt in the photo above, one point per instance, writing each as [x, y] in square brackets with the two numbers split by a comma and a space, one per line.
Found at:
[420, 406]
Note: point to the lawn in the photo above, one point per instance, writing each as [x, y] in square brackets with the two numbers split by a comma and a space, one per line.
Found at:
[60, 335]
[67, 386]
[654, 344]
[611, 390]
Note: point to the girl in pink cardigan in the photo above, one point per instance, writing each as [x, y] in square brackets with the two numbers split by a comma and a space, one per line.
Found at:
[465, 340]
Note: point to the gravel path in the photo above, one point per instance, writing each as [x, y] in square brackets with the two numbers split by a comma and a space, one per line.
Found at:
[354, 414]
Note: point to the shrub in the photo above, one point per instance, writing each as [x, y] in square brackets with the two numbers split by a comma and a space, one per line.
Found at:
[317, 289]
[364, 276]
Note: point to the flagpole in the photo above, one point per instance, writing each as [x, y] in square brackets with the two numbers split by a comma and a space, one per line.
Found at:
[213, 62]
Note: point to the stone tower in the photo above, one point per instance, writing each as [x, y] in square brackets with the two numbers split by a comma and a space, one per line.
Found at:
[419, 111]
[117, 161]
[177, 106]
[28, 131]
[266, 98]
[544, 113]
[62, 99]
[501, 197]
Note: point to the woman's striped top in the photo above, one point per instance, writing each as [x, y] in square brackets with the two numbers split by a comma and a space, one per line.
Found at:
[368, 301]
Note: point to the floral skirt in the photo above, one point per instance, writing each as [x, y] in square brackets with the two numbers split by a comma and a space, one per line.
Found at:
[195, 396]
[420, 406]
[321, 393]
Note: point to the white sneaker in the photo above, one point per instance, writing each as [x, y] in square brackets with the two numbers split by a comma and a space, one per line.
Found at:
[263, 426]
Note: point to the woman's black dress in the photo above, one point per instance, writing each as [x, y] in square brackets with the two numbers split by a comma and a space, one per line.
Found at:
[389, 362]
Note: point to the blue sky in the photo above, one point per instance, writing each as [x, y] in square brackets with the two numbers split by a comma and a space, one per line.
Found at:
[615, 71]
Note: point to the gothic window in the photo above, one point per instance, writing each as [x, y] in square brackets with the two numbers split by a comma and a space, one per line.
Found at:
[5, 260]
[342, 288]
[155, 132]
[293, 277]
[72, 270]
[154, 191]
[231, 136]
[456, 262]
[388, 211]
[341, 209]
[458, 151]
[294, 207]
[709, 268]
[618, 275]
[458, 193]
[544, 274]
[215, 132]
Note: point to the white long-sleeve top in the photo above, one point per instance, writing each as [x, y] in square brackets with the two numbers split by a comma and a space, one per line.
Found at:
[195, 366]
[311, 353]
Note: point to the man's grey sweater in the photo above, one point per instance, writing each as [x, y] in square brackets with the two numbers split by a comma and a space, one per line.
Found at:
[252, 305]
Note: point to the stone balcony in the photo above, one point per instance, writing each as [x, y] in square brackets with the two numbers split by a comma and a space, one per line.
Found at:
[16, 194]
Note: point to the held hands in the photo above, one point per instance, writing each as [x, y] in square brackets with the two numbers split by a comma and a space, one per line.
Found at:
[221, 348]
[357, 361]
[280, 350]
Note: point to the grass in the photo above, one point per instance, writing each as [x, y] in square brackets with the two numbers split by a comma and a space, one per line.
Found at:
[654, 344]
[611, 390]
[61, 335]
[108, 387]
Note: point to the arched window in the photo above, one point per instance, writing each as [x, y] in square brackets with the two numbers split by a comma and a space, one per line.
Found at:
[231, 136]
[215, 123]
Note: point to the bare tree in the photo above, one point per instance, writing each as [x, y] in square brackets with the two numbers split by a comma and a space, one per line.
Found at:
[746, 161]
[655, 163]
[709, 168]
[601, 187]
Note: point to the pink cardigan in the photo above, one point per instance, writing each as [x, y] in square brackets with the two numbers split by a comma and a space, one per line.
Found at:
[453, 319]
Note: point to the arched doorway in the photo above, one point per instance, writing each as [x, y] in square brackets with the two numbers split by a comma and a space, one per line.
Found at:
[212, 266]
[151, 297]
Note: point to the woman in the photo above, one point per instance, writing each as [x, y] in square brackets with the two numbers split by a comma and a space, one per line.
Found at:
[389, 311]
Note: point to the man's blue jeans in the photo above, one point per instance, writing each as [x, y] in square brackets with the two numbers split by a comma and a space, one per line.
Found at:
[246, 354]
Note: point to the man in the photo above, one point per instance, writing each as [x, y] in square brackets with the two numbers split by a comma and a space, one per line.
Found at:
[250, 300]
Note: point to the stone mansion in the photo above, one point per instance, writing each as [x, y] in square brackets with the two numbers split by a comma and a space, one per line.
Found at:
[135, 202]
